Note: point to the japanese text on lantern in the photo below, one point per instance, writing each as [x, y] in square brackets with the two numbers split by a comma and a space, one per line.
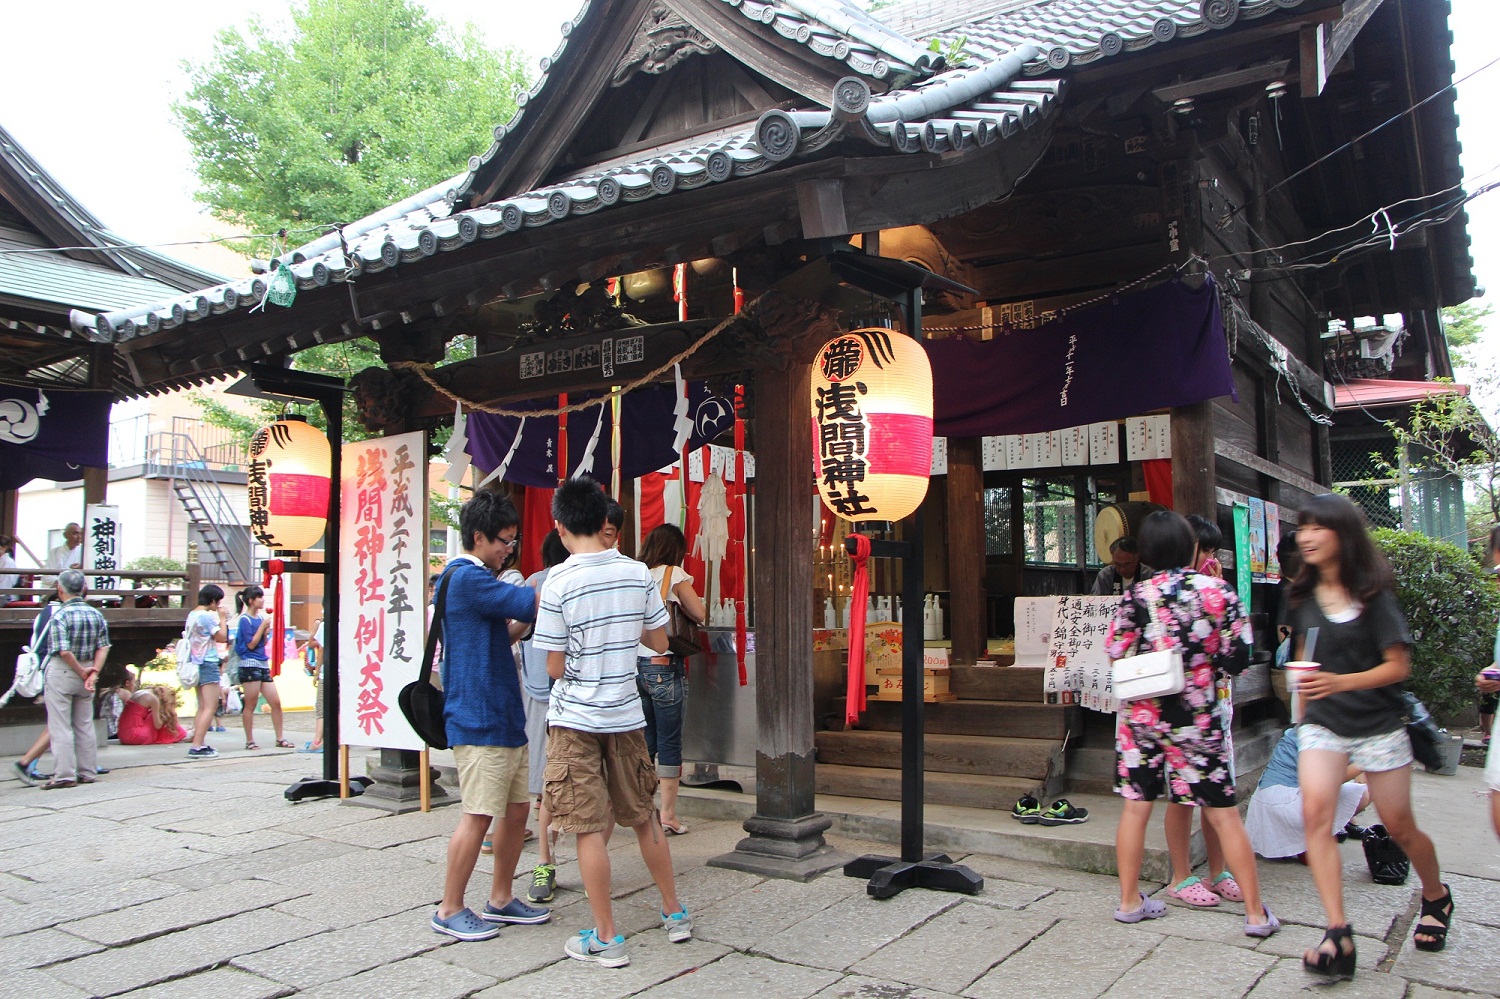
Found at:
[843, 444]
[369, 629]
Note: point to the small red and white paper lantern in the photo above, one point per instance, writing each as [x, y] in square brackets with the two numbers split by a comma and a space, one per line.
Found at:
[288, 484]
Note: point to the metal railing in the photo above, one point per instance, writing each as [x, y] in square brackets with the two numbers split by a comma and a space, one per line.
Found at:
[178, 455]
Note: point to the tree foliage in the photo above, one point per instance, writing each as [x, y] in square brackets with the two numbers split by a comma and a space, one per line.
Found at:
[1465, 325]
[359, 104]
[1448, 433]
[1450, 608]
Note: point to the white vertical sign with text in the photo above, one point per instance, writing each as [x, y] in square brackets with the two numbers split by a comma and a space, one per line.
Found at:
[101, 544]
[382, 586]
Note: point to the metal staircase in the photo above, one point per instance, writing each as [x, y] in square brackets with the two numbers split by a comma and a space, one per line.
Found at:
[223, 552]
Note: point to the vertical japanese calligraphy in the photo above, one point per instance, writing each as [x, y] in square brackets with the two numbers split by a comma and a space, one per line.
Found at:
[1079, 670]
[383, 567]
[872, 424]
[101, 544]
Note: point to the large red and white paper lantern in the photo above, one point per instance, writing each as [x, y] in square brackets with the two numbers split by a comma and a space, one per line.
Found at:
[872, 424]
[288, 484]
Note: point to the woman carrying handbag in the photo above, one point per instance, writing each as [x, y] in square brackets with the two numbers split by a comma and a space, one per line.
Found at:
[1345, 618]
[1173, 745]
[662, 680]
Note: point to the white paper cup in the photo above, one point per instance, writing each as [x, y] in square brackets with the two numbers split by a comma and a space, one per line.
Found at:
[1294, 672]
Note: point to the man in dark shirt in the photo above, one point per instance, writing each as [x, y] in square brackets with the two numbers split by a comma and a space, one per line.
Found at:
[1124, 569]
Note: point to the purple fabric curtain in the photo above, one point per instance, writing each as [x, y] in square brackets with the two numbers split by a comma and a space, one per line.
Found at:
[1139, 352]
[51, 434]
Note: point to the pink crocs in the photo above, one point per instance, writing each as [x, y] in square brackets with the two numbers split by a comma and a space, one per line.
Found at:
[1192, 891]
[1227, 888]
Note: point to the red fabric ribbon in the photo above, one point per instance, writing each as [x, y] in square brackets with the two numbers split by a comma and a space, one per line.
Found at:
[275, 568]
[859, 592]
[737, 533]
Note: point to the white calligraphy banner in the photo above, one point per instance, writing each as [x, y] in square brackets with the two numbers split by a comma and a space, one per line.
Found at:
[1078, 670]
[101, 544]
[382, 586]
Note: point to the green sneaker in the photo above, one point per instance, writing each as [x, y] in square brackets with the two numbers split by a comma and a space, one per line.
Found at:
[1027, 810]
[543, 884]
[1062, 813]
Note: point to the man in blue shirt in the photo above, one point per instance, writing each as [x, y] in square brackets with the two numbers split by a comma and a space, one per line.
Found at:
[485, 718]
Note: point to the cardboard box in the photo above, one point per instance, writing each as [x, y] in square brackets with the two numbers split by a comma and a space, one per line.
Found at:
[934, 685]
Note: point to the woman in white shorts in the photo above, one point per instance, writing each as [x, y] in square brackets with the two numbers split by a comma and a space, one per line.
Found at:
[1346, 619]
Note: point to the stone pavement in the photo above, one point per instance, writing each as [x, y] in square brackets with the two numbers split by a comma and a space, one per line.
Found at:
[196, 879]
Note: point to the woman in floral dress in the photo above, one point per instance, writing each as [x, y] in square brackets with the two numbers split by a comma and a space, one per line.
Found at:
[1174, 746]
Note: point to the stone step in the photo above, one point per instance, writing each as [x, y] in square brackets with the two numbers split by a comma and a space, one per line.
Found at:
[1019, 719]
[1036, 759]
[997, 683]
[972, 790]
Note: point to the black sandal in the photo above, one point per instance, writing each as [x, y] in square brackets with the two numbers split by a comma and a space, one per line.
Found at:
[1339, 964]
[1441, 910]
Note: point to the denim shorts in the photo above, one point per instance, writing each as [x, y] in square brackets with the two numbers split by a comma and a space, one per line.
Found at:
[663, 690]
[208, 673]
[254, 674]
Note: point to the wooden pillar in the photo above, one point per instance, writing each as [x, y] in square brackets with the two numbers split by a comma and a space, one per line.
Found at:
[101, 377]
[786, 832]
[966, 567]
[1193, 459]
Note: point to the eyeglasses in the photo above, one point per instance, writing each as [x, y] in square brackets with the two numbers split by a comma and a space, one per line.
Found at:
[511, 544]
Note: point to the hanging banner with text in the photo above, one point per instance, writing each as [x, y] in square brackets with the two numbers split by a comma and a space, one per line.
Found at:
[1078, 670]
[382, 587]
[101, 544]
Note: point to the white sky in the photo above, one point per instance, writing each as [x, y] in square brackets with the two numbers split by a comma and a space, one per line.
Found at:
[86, 86]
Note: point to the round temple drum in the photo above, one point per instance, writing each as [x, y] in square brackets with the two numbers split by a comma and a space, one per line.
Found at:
[1119, 520]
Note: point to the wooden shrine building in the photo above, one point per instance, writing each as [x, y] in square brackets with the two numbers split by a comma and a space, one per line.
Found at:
[1040, 159]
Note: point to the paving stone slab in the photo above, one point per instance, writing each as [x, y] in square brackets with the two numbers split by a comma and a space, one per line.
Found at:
[1475, 899]
[746, 920]
[850, 930]
[314, 818]
[1010, 894]
[10, 812]
[1063, 963]
[40, 985]
[859, 987]
[108, 898]
[337, 954]
[221, 983]
[140, 806]
[698, 888]
[346, 867]
[225, 817]
[1371, 908]
[237, 844]
[520, 950]
[737, 975]
[1288, 981]
[652, 961]
[1226, 971]
[417, 978]
[390, 830]
[954, 948]
[1467, 964]
[220, 870]
[164, 958]
[1428, 992]
[42, 947]
[371, 895]
[23, 917]
[1046, 875]
[179, 911]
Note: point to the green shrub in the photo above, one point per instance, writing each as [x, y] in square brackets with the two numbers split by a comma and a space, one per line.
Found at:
[1451, 609]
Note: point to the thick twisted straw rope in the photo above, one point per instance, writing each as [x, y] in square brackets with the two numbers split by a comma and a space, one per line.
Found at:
[424, 372]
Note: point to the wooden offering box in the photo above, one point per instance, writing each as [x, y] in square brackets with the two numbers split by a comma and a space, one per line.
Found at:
[934, 685]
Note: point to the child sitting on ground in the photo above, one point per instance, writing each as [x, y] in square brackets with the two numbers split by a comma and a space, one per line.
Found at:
[595, 607]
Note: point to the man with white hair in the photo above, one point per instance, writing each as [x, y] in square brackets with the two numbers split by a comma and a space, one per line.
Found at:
[79, 643]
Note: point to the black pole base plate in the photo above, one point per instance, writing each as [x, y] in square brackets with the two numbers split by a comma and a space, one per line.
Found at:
[889, 876]
[317, 787]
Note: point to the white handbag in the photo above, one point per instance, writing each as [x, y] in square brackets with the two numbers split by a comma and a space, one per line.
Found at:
[30, 674]
[1152, 674]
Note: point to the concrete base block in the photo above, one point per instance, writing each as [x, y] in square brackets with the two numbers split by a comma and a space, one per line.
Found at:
[397, 788]
[789, 849]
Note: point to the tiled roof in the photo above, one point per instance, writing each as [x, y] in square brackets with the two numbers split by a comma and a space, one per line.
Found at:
[955, 110]
[1079, 32]
[840, 30]
[57, 282]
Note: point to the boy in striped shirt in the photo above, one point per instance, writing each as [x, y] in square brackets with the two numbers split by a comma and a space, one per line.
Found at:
[595, 608]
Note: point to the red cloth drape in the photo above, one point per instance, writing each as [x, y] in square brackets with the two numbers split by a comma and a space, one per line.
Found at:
[859, 592]
[1158, 472]
[652, 508]
[276, 639]
[536, 521]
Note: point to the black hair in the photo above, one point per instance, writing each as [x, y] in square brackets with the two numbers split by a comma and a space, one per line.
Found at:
[614, 513]
[242, 599]
[1126, 544]
[1166, 541]
[1363, 570]
[210, 594]
[554, 552]
[1210, 539]
[485, 515]
[580, 506]
[665, 545]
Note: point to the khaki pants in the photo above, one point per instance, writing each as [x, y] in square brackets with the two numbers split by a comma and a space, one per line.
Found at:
[70, 723]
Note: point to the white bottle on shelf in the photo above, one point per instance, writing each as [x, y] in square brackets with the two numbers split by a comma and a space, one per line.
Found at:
[938, 619]
[844, 614]
[929, 613]
[830, 616]
[897, 618]
[870, 609]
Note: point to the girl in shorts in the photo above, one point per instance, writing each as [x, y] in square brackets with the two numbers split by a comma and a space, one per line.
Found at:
[1345, 617]
[205, 628]
[255, 666]
[1174, 746]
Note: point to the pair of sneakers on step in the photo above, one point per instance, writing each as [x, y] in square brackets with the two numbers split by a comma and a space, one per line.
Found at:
[1062, 812]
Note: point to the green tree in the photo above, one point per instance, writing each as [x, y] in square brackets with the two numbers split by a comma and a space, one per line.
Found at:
[1465, 325]
[359, 104]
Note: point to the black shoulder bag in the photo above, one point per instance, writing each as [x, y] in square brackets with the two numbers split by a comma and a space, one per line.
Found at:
[420, 701]
[1427, 740]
